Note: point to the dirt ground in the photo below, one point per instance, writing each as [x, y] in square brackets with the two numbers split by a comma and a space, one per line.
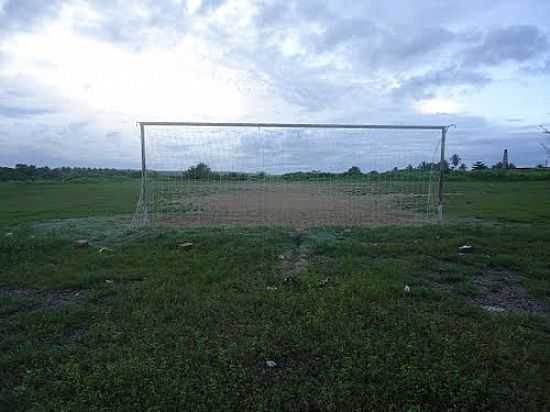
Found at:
[296, 205]
[50, 298]
[502, 292]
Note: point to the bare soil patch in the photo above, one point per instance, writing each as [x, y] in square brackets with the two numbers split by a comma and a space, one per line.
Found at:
[501, 291]
[46, 298]
[295, 205]
[295, 261]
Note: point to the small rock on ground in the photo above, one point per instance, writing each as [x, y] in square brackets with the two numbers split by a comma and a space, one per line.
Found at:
[81, 243]
[324, 282]
[270, 364]
[489, 308]
[465, 249]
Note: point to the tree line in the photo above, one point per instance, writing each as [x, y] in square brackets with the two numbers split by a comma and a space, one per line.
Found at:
[202, 171]
[31, 172]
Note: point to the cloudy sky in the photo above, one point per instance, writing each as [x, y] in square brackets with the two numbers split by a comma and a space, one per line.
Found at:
[76, 75]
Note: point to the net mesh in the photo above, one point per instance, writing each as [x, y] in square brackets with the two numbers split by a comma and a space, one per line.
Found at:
[296, 177]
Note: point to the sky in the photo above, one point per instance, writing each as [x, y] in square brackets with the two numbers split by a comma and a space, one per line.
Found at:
[76, 76]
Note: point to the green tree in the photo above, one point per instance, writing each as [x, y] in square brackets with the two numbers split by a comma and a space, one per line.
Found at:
[200, 171]
[425, 166]
[455, 160]
[353, 171]
[479, 165]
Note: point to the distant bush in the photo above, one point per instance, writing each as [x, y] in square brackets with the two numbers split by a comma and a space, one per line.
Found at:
[24, 172]
[501, 174]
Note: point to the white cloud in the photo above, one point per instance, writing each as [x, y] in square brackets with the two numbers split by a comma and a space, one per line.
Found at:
[438, 106]
[193, 6]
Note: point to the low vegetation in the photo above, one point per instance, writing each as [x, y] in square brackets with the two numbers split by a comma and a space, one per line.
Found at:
[454, 169]
[24, 172]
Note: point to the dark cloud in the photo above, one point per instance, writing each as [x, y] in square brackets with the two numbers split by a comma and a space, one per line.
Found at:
[538, 69]
[514, 43]
[210, 5]
[374, 46]
[365, 41]
[347, 30]
[22, 15]
[23, 111]
[425, 85]
[546, 67]
[307, 87]
[124, 22]
[404, 47]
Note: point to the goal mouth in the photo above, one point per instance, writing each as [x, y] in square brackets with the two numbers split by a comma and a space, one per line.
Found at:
[290, 175]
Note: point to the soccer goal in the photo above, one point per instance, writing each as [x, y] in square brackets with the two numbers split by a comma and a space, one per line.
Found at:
[293, 175]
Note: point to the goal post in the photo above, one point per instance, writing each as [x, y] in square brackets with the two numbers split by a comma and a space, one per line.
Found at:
[290, 174]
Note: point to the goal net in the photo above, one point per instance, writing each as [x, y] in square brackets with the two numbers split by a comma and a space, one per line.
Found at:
[298, 176]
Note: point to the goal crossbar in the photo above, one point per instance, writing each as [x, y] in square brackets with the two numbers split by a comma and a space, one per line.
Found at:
[299, 125]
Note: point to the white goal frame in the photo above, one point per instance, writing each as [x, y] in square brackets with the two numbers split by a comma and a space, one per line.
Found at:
[442, 129]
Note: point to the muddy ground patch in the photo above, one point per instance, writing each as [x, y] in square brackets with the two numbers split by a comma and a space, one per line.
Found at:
[46, 298]
[502, 291]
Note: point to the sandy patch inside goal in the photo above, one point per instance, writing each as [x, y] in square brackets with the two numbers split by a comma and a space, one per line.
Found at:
[296, 205]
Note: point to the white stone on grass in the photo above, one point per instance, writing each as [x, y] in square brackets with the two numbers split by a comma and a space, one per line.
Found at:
[271, 364]
[494, 309]
[81, 243]
[465, 249]
[324, 282]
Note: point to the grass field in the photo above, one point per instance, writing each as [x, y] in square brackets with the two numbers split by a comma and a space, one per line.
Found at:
[135, 322]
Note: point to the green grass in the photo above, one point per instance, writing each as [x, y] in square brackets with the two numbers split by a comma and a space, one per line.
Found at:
[524, 202]
[24, 202]
[192, 329]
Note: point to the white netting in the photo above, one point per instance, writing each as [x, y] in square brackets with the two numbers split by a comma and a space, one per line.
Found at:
[297, 177]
